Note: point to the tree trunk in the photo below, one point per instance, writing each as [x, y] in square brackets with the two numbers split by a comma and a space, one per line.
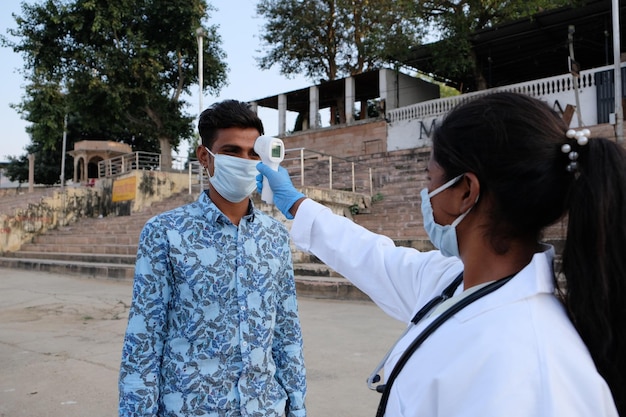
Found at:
[166, 153]
[479, 77]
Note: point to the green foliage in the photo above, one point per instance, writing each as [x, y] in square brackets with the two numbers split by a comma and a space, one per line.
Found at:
[47, 166]
[456, 21]
[328, 39]
[354, 209]
[118, 69]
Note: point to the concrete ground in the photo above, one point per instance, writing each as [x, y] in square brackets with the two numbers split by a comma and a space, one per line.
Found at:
[61, 337]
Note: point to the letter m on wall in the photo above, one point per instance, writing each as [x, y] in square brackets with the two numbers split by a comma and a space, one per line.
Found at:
[426, 130]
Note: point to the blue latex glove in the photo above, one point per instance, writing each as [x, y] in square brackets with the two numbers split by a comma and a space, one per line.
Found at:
[285, 194]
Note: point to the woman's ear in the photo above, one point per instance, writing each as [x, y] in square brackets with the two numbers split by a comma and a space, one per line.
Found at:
[471, 191]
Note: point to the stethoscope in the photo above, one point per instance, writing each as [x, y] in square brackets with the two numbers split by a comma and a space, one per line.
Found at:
[448, 292]
[423, 312]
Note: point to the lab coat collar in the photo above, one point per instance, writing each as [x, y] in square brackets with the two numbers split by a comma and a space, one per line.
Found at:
[536, 278]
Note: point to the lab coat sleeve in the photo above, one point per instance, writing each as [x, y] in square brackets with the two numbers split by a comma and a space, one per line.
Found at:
[397, 279]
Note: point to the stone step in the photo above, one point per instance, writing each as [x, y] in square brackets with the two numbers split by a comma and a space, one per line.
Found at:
[75, 257]
[110, 249]
[306, 286]
[92, 239]
[107, 223]
[314, 269]
[328, 287]
[86, 269]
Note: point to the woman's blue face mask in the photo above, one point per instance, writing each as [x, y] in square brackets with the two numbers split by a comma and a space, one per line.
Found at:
[442, 237]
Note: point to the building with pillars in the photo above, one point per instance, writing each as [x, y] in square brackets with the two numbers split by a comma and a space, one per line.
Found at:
[87, 154]
[348, 100]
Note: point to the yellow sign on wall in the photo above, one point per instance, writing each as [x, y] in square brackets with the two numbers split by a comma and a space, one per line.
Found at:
[124, 189]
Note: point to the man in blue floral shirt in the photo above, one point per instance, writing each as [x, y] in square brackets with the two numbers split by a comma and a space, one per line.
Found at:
[213, 328]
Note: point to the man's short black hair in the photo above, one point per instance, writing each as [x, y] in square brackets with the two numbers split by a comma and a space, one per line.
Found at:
[225, 114]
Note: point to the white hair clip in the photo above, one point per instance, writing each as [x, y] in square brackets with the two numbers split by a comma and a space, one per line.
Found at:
[582, 138]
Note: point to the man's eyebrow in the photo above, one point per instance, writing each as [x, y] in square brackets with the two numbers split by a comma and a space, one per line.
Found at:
[230, 147]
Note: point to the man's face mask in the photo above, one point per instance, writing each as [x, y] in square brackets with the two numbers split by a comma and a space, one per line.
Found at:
[233, 178]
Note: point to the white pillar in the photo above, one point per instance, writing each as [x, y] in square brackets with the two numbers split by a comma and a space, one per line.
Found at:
[200, 37]
[350, 93]
[63, 153]
[388, 89]
[314, 106]
[282, 114]
[619, 116]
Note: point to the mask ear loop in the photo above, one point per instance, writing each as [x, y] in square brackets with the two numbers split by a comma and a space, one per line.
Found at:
[445, 186]
[206, 169]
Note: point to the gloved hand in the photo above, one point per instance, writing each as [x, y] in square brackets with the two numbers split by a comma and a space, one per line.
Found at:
[285, 194]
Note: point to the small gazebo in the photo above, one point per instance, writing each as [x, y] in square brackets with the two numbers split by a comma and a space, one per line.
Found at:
[87, 154]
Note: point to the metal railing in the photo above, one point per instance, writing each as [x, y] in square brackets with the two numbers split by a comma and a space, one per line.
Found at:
[305, 166]
[317, 169]
[308, 168]
[555, 86]
[138, 161]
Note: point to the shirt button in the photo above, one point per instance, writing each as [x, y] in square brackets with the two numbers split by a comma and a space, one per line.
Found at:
[243, 308]
[244, 344]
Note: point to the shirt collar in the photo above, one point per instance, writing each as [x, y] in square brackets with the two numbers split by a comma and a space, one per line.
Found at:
[215, 215]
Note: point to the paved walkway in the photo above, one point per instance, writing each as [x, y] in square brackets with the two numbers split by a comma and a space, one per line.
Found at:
[61, 337]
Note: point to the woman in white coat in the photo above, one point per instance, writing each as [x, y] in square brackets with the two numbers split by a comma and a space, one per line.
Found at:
[510, 339]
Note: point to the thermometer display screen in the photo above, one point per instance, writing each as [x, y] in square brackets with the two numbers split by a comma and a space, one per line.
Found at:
[276, 150]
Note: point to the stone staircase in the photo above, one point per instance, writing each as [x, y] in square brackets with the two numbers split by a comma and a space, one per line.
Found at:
[106, 248]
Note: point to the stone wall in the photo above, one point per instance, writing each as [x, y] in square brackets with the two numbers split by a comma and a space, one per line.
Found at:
[398, 178]
[361, 138]
[20, 225]
[142, 189]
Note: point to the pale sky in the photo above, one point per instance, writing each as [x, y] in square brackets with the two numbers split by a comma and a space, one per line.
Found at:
[238, 26]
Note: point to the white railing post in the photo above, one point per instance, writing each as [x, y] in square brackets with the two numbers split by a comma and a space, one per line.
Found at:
[330, 172]
[201, 171]
[353, 182]
[301, 167]
[189, 171]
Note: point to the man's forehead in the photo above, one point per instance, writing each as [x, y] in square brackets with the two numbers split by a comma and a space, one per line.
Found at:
[236, 137]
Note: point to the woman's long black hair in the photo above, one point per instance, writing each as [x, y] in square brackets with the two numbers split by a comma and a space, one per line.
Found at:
[513, 143]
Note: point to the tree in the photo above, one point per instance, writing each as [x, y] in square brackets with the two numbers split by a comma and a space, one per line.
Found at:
[119, 67]
[455, 21]
[327, 39]
[46, 104]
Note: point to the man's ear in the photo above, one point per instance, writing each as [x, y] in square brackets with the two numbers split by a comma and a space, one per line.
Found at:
[471, 191]
[203, 156]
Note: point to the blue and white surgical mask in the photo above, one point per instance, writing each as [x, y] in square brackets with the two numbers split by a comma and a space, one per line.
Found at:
[233, 178]
[442, 237]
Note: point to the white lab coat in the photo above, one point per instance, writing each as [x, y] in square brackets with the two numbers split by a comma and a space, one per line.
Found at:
[512, 353]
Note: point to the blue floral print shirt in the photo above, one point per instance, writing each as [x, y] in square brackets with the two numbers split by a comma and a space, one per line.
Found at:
[213, 328]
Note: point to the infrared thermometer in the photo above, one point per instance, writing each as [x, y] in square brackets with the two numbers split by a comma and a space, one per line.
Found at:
[272, 152]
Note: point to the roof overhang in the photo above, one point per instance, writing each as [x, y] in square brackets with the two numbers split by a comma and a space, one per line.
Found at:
[535, 47]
